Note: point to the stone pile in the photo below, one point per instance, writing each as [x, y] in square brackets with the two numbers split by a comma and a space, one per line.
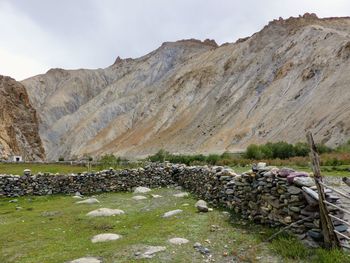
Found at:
[265, 195]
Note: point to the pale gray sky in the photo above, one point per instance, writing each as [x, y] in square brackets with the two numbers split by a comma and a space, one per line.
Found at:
[37, 35]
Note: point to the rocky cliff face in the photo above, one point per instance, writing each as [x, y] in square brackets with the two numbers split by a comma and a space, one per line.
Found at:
[191, 96]
[18, 123]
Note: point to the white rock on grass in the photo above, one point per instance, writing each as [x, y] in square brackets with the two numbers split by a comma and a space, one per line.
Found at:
[86, 260]
[89, 201]
[105, 212]
[183, 194]
[139, 197]
[202, 206]
[178, 240]
[141, 190]
[105, 237]
[77, 197]
[156, 196]
[172, 213]
[151, 251]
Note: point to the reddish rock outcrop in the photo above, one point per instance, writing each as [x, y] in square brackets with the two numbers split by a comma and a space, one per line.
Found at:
[19, 134]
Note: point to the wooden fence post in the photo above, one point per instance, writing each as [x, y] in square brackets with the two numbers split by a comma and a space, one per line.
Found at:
[330, 238]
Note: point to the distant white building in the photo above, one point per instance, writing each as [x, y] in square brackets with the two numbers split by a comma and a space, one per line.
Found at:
[16, 159]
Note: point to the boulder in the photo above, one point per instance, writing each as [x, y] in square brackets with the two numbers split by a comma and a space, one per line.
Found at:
[105, 212]
[178, 241]
[172, 213]
[105, 237]
[201, 206]
[89, 201]
[141, 190]
[87, 260]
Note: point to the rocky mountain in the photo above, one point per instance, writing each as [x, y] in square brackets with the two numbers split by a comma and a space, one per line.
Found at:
[191, 96]
[18, 123]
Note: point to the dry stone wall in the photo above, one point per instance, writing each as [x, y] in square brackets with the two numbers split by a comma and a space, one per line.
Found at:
[265, 195]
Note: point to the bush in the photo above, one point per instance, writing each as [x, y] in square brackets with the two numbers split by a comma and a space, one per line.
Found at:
[109, 160]
[254, 152]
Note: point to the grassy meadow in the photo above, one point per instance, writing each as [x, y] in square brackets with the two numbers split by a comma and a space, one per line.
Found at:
[55, 229]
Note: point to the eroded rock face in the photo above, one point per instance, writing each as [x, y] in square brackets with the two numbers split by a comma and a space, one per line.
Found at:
[19, 134]
[191, 96]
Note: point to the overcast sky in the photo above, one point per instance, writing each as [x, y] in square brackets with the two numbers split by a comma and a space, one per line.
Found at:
[36, 35]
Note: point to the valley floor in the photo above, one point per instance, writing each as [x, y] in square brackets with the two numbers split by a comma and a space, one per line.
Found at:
[56, 229]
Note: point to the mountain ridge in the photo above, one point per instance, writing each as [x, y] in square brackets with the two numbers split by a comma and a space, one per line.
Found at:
[194, 96]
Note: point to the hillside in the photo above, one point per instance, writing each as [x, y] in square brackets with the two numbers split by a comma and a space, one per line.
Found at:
[18, 123]
[191, 96]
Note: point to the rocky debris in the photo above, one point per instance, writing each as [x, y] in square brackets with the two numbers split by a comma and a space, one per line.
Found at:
[183, 194]
[201, 206]
[201, 249]
[141, 190]
[87, 260]
[172, 213]
[178, 241]
[105, 237]
[139, 197]
[105, 212]
[150, 252]
[89, 201]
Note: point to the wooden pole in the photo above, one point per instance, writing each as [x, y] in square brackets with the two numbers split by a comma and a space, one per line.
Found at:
[330, 238]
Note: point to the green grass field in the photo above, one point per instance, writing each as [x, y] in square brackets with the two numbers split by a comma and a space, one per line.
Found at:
[55, 229]
[17, 168]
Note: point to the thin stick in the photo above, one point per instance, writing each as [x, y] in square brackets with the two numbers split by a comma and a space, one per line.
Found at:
[338, 207]
[287, 227]
[340, 220]
[330, 238]
[342, 235]
[335, 190]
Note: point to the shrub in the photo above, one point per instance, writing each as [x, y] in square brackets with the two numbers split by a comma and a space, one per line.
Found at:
[254, 152]
[109, 160]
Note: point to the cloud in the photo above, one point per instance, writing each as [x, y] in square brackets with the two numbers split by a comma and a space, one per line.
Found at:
[37, 35]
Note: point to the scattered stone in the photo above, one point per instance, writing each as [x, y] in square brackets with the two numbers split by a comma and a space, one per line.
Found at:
[178, 241]
[105, 237]
[89, 201]
[13, 201]
[172, 213]
[78, 194]
[184, 194]
[201, 249]
[139, 197]
[51, 213]
[77, 197]
[105, 212]
[150, 252]
[201, 206]
[141, 190]
[156, 196]
[87, 260]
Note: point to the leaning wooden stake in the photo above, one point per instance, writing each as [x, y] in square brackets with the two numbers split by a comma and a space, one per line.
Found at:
[330, 238]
